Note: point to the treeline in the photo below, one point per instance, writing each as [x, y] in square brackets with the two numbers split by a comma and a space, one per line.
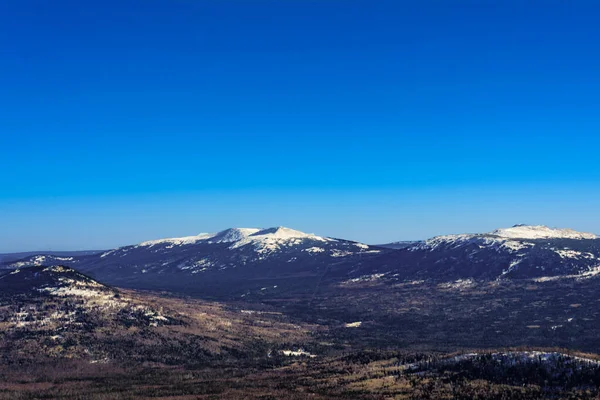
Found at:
[552, 372]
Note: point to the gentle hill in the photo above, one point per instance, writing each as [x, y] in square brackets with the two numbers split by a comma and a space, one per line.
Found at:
[57, 312]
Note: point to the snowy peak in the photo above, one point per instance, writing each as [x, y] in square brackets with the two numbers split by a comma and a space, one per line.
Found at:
[227, 236]
[233, 235]
[283, 233]
[541, 232]
[271, 239]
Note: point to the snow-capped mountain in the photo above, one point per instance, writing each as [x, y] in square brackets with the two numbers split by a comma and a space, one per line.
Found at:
[233, 261]
[264, 242]
[521, 251]
[240, 261]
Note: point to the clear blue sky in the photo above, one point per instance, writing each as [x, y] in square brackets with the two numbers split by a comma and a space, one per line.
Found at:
[126, 120]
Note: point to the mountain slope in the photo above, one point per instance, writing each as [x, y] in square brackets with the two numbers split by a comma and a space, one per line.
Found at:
[55, 280]
[520, 252]
[233, 262]
[271, 262]
[60, 298]
[57, 312]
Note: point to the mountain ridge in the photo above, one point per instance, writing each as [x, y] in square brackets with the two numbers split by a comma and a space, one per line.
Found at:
[239, 261]
[233, 261]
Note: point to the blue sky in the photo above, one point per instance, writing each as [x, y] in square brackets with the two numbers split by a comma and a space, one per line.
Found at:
[122, 121]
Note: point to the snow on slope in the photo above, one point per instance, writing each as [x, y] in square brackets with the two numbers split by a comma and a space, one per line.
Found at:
[211, 254]
[232, 235]
[177, 241]
[263, 242]
[227, 236]
[265, 239]
[268, 240]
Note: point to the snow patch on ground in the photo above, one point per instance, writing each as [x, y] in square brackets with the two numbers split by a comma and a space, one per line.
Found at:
[365, 278]
[567, 253]
[297, 353]
[593, 271]
[314, 250]
[197, 266]
[340, 253]
[516, 246]
[513, 265]
[458, 284]
[590, 273]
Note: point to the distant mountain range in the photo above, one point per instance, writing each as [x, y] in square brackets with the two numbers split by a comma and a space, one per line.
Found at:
[400, 245]
[9, 257]
[241, 261]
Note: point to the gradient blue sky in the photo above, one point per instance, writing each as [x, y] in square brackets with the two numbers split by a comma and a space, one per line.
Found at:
[122, 121]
